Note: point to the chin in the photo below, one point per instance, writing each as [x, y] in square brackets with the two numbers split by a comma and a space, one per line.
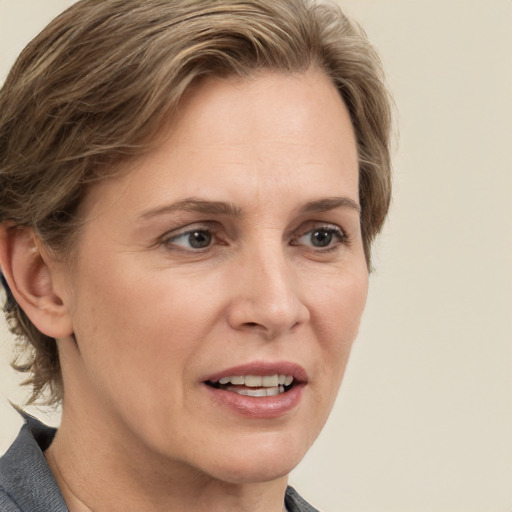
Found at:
[262, 460]
[248, 472]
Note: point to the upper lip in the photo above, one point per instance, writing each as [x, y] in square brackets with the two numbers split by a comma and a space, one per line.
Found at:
[262, 368]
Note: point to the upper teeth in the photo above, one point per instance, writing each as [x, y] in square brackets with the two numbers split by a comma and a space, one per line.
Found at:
[255, 381]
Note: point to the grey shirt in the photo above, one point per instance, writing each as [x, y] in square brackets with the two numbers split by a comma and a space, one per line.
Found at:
[28, 485]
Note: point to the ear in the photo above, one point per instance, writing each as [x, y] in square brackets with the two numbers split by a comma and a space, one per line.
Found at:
[30, 271]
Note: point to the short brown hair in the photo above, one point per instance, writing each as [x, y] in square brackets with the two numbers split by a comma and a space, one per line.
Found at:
[94, 88]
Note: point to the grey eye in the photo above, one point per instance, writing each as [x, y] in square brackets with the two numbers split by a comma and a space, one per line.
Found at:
[321, 238]
[199, 239]
[195, 239]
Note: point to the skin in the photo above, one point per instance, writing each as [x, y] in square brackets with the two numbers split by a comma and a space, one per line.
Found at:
[153, 317]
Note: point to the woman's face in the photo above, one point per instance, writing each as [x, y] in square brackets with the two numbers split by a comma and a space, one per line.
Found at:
[219, 285]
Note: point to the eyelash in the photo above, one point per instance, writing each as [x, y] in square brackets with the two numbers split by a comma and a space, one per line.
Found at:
[330, 229]
[169, 240]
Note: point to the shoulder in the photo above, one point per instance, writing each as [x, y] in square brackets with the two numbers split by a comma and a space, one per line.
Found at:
[296, 503]
[7, 504]
[26, 482]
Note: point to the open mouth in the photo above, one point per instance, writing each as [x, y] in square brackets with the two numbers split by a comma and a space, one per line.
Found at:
[255, 385]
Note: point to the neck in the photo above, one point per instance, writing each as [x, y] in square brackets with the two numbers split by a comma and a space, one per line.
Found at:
[97, 473]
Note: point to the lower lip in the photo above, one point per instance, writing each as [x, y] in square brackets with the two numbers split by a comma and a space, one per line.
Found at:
[258, 407]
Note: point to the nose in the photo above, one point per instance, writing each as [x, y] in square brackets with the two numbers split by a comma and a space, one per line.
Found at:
[266, 298]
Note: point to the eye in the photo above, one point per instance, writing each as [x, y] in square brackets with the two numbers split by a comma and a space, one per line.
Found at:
[323, 237]
[193, 239]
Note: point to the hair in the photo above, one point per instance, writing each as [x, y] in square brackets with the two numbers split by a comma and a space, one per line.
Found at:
[95, 87]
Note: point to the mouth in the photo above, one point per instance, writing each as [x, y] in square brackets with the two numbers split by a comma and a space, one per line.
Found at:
[255, 385]
[258, 390]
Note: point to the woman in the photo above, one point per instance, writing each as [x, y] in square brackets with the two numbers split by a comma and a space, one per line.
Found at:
[189, 192]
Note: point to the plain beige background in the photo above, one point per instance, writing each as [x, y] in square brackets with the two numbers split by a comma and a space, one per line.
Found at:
[424, 420]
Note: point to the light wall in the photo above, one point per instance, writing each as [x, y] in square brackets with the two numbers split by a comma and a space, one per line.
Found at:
[424, 420]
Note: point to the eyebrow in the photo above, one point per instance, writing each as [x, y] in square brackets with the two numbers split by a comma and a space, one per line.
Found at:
[330, 203]
[196, 205]
[192, 204]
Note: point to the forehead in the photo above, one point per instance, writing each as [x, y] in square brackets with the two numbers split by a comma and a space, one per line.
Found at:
[268, 135]
[265, 108]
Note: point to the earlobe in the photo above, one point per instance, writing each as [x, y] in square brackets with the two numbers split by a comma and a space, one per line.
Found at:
[29, 272]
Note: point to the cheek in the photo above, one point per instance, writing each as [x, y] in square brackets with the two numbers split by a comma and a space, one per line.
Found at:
[337, 316]
[140, 320]
[339, 305]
